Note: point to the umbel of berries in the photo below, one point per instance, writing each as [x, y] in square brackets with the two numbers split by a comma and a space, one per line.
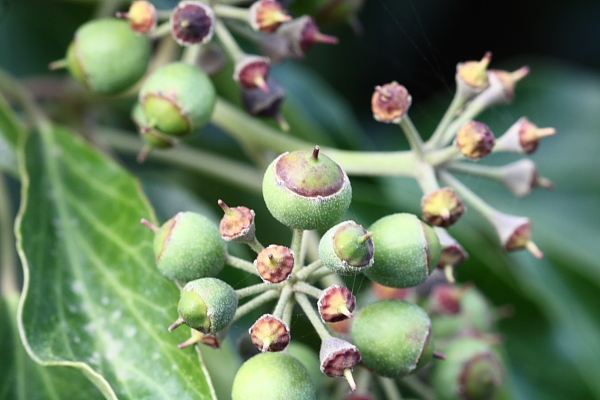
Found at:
[177, 100]
[107, 56]
[471, 371]
[347, 248]
[188, 246]
[306, 190]
[394, 337]
[273, 376]
[207, 305]
[407, 251]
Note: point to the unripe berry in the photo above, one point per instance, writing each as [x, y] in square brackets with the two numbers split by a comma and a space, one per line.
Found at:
[336, 304]
[472, 77]
[270, 333]
[267, 15]
[306, 190]
[302, 34]
[237, 224]
[188, 246]
[394, 337]
[273, 376]
[252, 72]
[347, 248]
[141, 16]
[390, 103]
[107, 56]
[442, 207]
[407, 251]
[471, 371]
[178, 99]
[309, 357]
[338, 358]
[522, 137]
[275, 263]
[207, 305]
[266, 104]
[475, 140]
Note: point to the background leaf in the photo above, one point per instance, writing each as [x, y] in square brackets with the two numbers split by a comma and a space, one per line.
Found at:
[93, 298]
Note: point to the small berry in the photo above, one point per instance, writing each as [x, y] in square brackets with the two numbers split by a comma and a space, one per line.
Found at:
[446, 299]
[267, 15]
[107, 56]
[336, 304]
[338, 358]
[347, 248]
[266, 104]
[523, 137]
[406, 251]
[302, 34]
[270, 333]
[472, 371]
[515, 233]
[252, 72]
[306, 190]
[390, 102]
[141, 16]
[475, 140]
[442, 207]
[188, 246]
[237, 224]
[502, 86]
[192, 22]
[275, 263]
[394, 337]
[273, 376]
[472, 77]
[207, 305]
[520, 177]
[452, 255]
[153, 138]
[177, 99]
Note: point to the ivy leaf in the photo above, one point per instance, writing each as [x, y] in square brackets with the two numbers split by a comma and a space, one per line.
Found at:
[23, 378]
[93, 299]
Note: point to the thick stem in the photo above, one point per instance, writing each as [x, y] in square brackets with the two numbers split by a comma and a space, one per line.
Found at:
[227, 11]
[389, 388]
[256, 289]
[284, 298]
[256, 246]
[228, 41]
[296, 248]
[236, 173]
[308, 289]
[191, 53]
[255, 303]
[312, 315]
[414, 139]
[445, 155]
[242, 264]
[427, 179]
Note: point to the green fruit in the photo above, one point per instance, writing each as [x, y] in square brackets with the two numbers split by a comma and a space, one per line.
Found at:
[406, 251]
[471, 371]
[189, 246]
[177, 99]
[309, 357]
[347, 248]
[306, 190]
[273, 376]
[207, 305]
[394, 337]
[107, 56]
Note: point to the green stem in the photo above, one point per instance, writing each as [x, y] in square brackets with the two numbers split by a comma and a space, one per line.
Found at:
[458, 101]
[287, 312]
[255, 303]
[245, 128]
[242, 264]
[364, 378]
[227, 11]
[321, 273]
[161, 30]
[256, 246]
[236, 173]
[427, 179]
[422, 390]
[308, 289]
[389, 388]
[8, 262]
[473, 109]
[257, 289]
[483, 171]
[468, 195]
[414, 139]
[296, 248]
[191, 54]
[329, 279]
[445, 155]
[312, 315]
[284, 298]
[306, 272]
[228, 41]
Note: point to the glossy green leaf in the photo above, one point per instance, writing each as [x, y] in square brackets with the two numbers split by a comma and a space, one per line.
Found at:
[23, 378]
[10, 129]
[93, 298]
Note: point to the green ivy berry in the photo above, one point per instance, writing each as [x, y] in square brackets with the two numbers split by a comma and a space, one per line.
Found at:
[273, 376]
[107, 56]
[188, 246]
[407, 251]
[207, 305]
[347, 248]
[306, 190]
[177, 99]
[394, 337]
[471, 371]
